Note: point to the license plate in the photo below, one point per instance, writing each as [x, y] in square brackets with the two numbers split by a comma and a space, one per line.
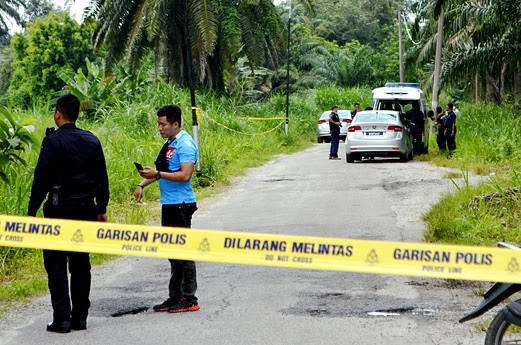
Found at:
[374, 133]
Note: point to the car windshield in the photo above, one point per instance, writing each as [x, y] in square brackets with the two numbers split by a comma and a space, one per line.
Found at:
[376, 117]
[341, 114]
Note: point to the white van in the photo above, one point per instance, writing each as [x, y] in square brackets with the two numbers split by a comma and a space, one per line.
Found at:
[403, 95]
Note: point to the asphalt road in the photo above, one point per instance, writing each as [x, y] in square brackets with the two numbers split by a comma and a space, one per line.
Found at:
[302, 194]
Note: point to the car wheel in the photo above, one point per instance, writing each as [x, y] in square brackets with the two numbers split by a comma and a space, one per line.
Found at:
[404, 157]
[320, 140]
[349, 158]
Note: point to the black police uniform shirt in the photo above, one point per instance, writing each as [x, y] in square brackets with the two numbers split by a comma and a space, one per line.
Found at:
[334, 128]
[73, 159]
[416, 118]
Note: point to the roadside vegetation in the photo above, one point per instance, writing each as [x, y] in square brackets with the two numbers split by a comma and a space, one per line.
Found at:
[487, 141]
[340, 50]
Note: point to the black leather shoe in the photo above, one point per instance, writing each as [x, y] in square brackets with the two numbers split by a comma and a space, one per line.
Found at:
[59, 327]
[79, 325]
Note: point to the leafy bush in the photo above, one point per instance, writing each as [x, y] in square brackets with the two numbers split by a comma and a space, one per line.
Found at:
[95, 90]
[51, 44]
[14, 138]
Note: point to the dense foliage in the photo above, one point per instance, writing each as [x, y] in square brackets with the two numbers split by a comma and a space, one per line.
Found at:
[52, 44]
[481, 49]
[14, 139]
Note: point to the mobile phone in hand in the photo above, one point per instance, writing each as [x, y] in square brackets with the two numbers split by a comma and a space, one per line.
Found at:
[139, 167]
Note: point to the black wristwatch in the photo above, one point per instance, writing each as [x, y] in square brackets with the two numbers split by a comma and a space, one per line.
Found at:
[158, 175]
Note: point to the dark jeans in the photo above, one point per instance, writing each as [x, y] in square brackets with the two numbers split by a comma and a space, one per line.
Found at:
[451, 142]
[442, 143]
[333, 151]
[183, 274]
[55, 263]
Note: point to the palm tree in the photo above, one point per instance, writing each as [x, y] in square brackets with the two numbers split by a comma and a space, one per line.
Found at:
[485, 42]
[481, 42]
[220, 31]
[131, 28]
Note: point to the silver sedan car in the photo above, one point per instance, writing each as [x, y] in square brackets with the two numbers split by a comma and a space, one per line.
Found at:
[323, 133]
[378, 133]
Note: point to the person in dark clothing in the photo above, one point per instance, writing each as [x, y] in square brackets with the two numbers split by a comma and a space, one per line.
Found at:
[398, 108]
[440, 138]
[449, 124]
[354, 112]
[334, 128]
[416, 120]
[72, 174]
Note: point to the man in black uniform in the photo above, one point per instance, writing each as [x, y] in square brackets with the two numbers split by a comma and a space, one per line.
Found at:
[417, 122]
[440, 138]
[334, 129]
[71, 170]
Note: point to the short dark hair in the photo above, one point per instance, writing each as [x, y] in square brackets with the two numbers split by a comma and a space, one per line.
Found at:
[451, 106]
[69, 106]
[334, 107]
[357, 103]
[439, 109]
[172, 113]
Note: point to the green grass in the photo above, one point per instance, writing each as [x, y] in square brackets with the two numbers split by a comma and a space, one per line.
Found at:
[487, 141]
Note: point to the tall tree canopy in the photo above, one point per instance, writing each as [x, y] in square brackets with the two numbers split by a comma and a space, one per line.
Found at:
[51, 43]
[482, 43]
[220, 32]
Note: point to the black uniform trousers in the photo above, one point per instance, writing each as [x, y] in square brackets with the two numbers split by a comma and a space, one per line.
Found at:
[183, 275]
[55, 263]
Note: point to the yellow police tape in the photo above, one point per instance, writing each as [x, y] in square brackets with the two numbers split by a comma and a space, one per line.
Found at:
[365, 256]
[262, 118]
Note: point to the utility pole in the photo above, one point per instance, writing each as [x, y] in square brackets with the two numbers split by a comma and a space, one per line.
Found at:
[400, 48]
[437, 60]
[195, 127]
[287, 70]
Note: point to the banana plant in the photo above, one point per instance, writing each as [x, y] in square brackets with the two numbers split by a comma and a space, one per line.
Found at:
[14, 138]
[93, 90]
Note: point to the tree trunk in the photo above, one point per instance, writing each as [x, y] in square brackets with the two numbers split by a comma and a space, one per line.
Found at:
[503, 83]
[492, 89]
[400, 48]
[477, 88]
[437, 62]
[157, 59]
[517, 84]
[215, 62]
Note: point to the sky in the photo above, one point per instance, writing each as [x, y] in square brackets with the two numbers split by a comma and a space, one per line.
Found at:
[76, 8]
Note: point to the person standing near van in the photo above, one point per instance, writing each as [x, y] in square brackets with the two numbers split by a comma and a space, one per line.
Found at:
[416, 119]
[334, 128]
[449, 122]
[440, 138]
